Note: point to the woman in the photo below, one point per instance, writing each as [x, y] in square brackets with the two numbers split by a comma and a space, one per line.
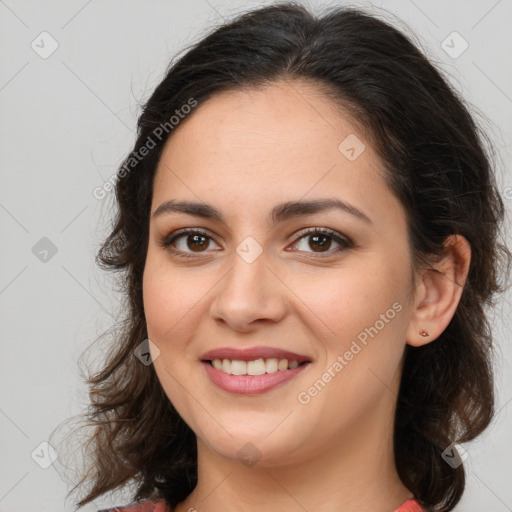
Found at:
[308, 229]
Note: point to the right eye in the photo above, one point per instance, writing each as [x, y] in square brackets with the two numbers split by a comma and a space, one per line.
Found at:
[196, 240]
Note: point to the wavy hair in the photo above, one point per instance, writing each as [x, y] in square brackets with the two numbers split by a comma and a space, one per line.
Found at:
[438, 163]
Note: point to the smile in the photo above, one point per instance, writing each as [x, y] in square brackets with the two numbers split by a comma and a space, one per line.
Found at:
[244, 383]
[256, 367]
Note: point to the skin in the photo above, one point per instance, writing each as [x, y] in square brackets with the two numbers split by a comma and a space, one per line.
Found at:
[243, 152]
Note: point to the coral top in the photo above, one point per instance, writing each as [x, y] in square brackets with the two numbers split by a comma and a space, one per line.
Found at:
[410, 505]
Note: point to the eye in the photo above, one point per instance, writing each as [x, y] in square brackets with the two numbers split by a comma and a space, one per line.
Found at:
[197, 241]
[320, 240]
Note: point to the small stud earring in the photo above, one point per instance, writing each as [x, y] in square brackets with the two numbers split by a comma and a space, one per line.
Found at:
[424, 333]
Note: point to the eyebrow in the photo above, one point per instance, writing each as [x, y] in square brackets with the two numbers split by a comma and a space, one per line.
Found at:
[279, 213]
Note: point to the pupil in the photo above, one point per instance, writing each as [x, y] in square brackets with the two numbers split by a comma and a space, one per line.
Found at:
[194, 245]
[321, 244]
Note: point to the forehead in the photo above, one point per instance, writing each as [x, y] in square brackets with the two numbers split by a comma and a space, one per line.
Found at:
[269, 144]
[286, 119]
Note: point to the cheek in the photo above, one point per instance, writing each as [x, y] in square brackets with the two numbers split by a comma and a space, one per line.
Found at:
[362, 368]
[356, 299]
[367, 316]
[169, 299]
[158, 305]
[170, 323]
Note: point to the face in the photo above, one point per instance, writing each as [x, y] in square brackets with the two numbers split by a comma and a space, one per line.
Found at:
[328, 288]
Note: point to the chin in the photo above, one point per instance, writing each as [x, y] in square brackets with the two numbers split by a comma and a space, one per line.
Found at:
[253, 448]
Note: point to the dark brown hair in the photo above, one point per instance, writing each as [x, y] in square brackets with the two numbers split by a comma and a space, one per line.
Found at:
[438, 163]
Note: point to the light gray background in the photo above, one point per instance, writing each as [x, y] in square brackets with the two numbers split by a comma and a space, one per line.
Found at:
[68, 120]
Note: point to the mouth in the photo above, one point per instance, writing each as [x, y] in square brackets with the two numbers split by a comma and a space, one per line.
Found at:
[252, 371]
[253, 354]
[254, 367]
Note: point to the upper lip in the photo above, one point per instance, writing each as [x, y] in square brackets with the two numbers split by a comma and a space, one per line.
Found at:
[250, 354]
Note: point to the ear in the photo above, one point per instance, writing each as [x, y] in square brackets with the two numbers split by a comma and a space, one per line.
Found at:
[438, 292]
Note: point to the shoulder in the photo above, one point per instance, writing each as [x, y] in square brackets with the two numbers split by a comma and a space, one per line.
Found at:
[144, 506]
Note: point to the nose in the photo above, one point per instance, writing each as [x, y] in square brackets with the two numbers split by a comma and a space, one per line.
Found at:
[251, 292]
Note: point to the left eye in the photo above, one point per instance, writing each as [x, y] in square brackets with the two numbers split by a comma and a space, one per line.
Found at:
[198, 241]
[321, 238]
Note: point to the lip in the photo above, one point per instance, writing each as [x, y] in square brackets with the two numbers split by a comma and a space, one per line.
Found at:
[253, 353]
[251, 384]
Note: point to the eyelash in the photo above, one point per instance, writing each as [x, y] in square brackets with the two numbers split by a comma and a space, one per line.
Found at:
[345, 242]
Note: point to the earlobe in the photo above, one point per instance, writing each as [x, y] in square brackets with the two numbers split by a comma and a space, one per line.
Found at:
[439, 291]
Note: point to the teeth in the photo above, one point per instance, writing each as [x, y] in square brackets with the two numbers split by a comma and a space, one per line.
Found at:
[226, 366]
[272, 365]
[256, 367]
[238, 367]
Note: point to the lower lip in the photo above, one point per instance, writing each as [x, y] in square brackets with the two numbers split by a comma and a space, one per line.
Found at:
[250, 384]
